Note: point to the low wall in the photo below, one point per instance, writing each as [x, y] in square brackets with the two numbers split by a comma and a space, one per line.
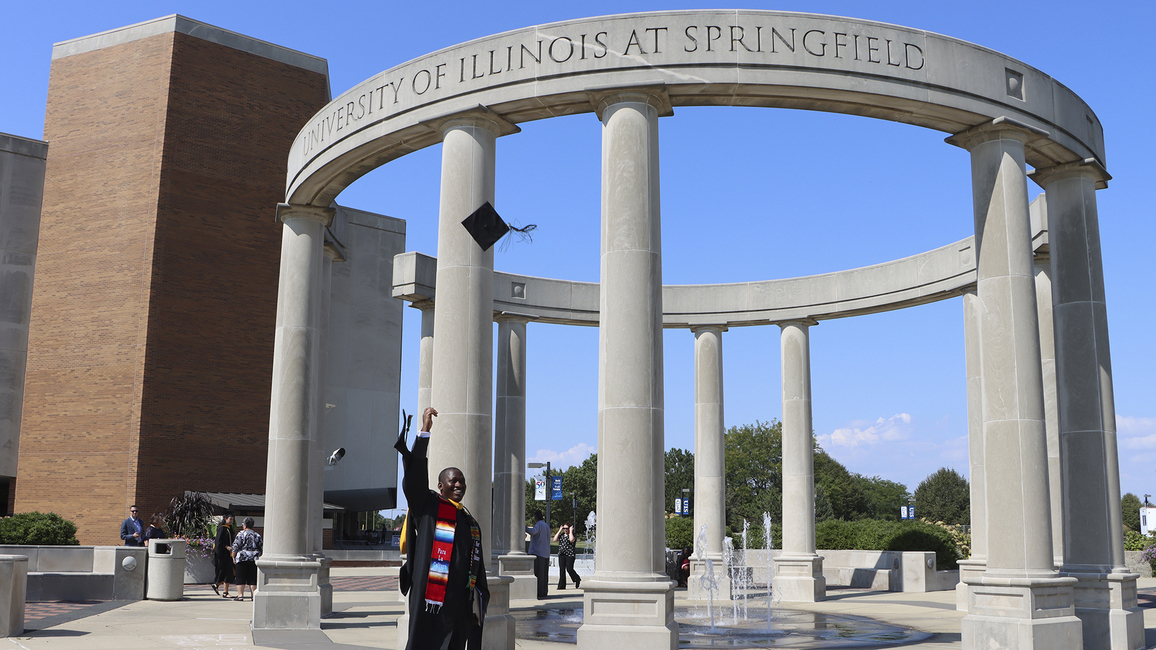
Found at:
[1136, 565]
[83, 572]
[910, 571]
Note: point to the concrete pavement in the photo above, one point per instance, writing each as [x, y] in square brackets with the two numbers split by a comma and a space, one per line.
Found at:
[367, 619]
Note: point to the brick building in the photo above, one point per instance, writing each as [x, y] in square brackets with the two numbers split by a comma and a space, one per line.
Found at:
[151, 336]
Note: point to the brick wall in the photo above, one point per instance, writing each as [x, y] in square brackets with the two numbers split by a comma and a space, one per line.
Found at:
[150, 353]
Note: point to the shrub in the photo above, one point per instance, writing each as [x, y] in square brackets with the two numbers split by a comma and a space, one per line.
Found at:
[38, 528]
[189, 515]
[1134, 541]
[875, 535]
[679, 532]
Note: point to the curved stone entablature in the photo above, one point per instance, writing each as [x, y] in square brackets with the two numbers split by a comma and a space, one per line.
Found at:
[733, 58]
[928, 277]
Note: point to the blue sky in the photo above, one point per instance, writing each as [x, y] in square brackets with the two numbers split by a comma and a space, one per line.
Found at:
[747, 194]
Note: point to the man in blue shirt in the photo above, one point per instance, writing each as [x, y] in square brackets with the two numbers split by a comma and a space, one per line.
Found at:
[131, 528]
[540, 549]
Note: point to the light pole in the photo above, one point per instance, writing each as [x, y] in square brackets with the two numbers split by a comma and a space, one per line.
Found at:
[547, 466]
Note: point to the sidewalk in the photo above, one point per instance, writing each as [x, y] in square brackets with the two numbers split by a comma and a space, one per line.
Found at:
[365, 617]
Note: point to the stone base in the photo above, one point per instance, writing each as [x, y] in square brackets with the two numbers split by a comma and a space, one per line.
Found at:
[498, 632]
[1021, 614]
[698, 584]
[324, 586]
[13, 589]
[520, 567]
[970, 570]
[287, 597]
[628, 615]
[799, 579]
[1106, 604]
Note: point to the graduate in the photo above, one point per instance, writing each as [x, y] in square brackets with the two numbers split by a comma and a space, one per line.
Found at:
[444, 577]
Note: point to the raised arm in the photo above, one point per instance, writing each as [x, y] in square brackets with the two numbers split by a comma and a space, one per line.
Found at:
[415, 483]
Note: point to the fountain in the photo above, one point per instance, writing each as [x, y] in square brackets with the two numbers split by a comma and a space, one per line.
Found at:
[776, 628]
[768, 543]
[591, 521]
[708, 579]
[729, 564]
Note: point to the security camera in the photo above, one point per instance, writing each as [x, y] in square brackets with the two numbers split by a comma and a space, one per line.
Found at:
[336, 456]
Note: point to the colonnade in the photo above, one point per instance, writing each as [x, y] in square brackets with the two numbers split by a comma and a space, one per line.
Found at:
[1030, 577]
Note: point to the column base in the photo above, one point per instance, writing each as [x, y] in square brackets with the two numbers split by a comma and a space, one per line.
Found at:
[324, 586]
[498, 632]
[799, 579]
[520, 567]
[1106, 603]
[287, 596]
[1021, 614]
[970, 571]
[628, 615]
[698, 585]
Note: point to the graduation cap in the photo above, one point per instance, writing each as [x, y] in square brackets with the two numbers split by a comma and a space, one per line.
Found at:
[486, 227]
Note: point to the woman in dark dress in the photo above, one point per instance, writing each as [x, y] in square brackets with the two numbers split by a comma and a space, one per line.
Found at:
[155, 530]
[223, 555]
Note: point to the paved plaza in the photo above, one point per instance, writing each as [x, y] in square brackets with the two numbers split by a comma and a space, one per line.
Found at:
[366, 608]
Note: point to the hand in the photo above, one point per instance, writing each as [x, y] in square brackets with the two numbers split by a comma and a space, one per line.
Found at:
[427, 419]
[136, 535]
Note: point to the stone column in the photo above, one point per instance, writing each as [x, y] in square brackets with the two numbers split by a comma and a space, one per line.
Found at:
[288, 596]
[320, 450]
[1019, 601]
[509, 550]
[424, 384]
[1093, 543]
[425, 358]
[709, 464]
[629, 602]
[1041, 268]
[462, 381]
[972, 568]
[799, 570]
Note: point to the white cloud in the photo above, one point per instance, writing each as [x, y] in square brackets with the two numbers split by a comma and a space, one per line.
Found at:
[896, 427]
[560, 460]
[1135, 432]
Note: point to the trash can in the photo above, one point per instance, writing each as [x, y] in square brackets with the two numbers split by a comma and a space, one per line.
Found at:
[166, 569]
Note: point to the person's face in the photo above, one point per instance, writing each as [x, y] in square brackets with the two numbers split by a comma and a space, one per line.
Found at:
[132, 512]
[229, 521]
[453, 485]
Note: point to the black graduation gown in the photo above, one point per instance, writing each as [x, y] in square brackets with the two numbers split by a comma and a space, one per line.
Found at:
[429, 630]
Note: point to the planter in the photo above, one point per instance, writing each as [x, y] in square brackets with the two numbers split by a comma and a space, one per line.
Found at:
[198, 570]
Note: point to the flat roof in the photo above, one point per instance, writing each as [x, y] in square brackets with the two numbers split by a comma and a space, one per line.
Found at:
[195, 28]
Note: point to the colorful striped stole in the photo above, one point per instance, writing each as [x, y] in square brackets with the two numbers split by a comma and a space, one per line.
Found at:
[443, 550]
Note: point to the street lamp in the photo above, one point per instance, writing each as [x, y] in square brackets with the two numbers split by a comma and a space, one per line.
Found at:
[547, 466]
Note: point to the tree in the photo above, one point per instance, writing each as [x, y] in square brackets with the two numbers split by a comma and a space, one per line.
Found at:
[841, 489]
[578, 481]
[884, 498]
[679, 475]
[754, 465]
[944, 496]
[1130, 504]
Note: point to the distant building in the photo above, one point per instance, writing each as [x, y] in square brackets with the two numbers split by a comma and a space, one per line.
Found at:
[21, 192]
[150, 346]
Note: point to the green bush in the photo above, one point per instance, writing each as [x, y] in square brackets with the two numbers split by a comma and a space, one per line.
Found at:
[875, 535]
[1134, 541]
[38, 528]
[680, 532]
